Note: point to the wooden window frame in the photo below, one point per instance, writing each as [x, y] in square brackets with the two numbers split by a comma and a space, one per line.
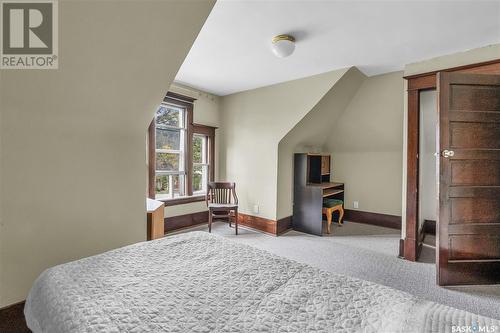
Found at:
[191, 128]
[416, 84]
[209, 132]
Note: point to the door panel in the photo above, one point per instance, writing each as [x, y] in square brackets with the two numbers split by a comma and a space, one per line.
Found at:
[473, 272]
[475, 98]
[474, 247]
[474, 229]
[475, 172]
[474, 135]
[469, 179]
[464, 210]
[464, 116]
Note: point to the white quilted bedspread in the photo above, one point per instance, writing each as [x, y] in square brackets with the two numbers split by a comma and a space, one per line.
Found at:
[197, 282]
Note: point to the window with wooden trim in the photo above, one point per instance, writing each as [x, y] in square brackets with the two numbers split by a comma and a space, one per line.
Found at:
[200, 163]
[203, 157]
[181, 154]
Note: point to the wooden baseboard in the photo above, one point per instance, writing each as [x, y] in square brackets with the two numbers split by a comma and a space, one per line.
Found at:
[381, 220]
[255, 222]
[284, 225]
[258, 223]
[272, 227]
[183, 221]
[12, 319]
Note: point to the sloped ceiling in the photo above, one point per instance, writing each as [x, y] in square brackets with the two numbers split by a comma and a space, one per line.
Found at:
[253, 124]
[312, 131]
[364, 124]
[232, 52]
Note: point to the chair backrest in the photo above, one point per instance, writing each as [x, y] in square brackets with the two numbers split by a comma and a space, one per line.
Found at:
[221, 193]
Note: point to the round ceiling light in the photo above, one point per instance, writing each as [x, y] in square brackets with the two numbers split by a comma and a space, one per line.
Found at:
[283, 45]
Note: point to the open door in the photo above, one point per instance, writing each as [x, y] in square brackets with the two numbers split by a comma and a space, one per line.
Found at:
[469, 179]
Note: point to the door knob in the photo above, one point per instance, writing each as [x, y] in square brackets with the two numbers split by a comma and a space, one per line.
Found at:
[448, 153]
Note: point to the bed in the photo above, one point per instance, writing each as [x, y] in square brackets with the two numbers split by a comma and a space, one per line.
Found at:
[199, 282]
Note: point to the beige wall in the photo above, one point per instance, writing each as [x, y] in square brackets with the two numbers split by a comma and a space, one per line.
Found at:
[473, 56]
[366, 145]
[253, 123]
[73, 139]
[371, 178]
[206, 107]
[311, 132]
[356, 119]
[206, 111]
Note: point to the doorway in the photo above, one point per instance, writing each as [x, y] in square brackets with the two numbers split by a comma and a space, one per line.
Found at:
[428, 180]
[418, 85]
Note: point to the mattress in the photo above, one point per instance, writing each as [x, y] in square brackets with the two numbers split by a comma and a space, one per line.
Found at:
[198, 282]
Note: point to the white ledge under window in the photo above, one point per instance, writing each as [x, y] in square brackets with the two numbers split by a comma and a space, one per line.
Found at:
[182, 200]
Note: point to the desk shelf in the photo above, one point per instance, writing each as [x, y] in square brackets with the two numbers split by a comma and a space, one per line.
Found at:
[329, 192]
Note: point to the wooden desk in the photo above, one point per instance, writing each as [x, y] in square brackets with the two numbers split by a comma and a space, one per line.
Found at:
[156, 223]
[312, 184]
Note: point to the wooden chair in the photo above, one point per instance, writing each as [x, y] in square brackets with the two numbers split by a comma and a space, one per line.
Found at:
[331, 205]
[221, 199]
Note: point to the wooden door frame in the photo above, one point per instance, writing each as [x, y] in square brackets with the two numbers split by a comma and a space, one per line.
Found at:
[416, 84]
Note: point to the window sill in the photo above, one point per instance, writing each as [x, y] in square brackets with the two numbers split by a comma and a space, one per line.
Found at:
[183, 200]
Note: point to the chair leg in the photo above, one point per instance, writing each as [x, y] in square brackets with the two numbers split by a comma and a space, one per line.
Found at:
[209, 220]
[329, 219]
[229, 219]
[341, 215]
[236, 220]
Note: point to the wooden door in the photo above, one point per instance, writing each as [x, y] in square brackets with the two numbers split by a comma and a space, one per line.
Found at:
[469, 179]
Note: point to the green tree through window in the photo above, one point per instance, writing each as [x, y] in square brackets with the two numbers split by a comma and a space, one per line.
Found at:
[172, 130]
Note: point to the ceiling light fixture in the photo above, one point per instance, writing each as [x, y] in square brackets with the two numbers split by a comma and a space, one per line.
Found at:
[283, 45]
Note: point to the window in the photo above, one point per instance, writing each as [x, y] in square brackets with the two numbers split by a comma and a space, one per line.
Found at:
[170, 138]
[200, 164]
[181, 154]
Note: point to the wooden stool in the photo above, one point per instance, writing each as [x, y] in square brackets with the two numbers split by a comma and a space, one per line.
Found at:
[331, 205]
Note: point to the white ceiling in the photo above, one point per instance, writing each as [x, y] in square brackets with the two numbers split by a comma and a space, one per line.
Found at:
[232, 51]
